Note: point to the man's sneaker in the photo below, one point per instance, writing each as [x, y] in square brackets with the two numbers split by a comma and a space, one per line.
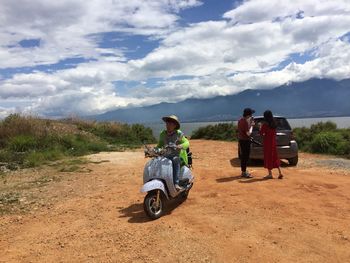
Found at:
[246, 175]
[178, 187]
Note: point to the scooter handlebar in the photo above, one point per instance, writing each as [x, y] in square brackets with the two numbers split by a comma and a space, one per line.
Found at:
[155, 152]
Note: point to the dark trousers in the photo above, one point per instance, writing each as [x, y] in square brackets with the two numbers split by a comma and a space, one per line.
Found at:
[244, 146]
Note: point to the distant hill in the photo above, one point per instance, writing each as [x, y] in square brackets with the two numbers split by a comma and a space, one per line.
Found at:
[312, 98]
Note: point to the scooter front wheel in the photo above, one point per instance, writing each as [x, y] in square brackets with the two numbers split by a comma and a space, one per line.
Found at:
[153, 204]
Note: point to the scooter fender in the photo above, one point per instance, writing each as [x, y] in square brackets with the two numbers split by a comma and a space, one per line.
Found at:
[154, 185]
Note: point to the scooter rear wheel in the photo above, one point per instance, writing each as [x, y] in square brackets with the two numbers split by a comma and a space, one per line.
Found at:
[152, 209]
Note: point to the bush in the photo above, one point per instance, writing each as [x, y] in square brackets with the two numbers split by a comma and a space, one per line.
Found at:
[221, 131]
[324, 138]
[15, 125]
[22, 143]
[116, 133]
[323, 127]
[30, 141]
[329, 142]
[34, 159]
[304, 137]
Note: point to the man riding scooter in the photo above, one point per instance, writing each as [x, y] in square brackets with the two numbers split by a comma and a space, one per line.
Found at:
[178, 155]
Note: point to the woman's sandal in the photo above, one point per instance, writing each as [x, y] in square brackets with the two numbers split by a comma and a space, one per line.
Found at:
[280, 176]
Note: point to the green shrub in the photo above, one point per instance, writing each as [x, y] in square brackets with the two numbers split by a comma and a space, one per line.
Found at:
[53, 154]
[142, 133]
[22, 143]
[324, 137]
[97, 146]
[34, 159]
[304, 137]
[221, 131]
[74, 145]
[28, 141]
[323, 127]
[16, 124]
[5, 156]
[328, 142]
[116, 133]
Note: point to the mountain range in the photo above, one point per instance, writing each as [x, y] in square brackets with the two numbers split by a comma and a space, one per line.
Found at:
[311, 98]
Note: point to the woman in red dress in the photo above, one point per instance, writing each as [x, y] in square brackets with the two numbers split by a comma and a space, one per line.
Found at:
[268, 131]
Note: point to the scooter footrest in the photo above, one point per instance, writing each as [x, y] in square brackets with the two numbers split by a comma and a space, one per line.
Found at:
[184, 182]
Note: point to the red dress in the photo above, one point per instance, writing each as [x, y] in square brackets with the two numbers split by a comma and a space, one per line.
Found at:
[271, 159]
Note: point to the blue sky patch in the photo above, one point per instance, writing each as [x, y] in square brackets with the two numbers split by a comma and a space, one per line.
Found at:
[299, 58]
[123, 87]
[68, 63]
[29, 43]
[153, 82]
[209, 10]
[345, 37]
[133, 46]
[181, 77]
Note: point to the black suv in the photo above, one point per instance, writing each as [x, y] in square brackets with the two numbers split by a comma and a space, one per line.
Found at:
[287, 147]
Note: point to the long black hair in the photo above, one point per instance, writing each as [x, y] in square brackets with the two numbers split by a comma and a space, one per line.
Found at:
[268, 117]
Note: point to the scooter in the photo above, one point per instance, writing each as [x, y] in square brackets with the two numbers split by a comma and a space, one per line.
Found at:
[158, 181]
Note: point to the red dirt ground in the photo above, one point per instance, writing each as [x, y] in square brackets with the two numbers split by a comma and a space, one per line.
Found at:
[97, 216]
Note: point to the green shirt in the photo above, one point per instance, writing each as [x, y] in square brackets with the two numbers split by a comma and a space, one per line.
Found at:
[177, 137]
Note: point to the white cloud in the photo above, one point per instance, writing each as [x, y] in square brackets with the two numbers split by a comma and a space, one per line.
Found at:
[253, 11]
[88, 89]
[331, 62]
[64, 27]
[82, 103]
[204, 48]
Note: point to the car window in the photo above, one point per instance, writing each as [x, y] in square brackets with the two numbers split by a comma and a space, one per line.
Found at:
[282, 124]
[256, 126]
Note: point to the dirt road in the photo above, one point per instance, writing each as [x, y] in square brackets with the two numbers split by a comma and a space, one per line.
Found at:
[96, 214]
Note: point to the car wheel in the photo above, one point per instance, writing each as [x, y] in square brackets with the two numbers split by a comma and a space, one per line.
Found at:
[293, 161]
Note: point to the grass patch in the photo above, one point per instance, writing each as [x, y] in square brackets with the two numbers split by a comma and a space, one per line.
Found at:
[72, 165]
[8, 201]
[43, 180]
[70, 169]
[99, 162]
[9, 198]
[30, 142]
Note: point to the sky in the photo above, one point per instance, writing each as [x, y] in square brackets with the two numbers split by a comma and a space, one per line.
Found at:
[76, 57]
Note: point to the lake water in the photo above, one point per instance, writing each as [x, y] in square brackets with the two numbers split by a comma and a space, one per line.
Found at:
[188, 128]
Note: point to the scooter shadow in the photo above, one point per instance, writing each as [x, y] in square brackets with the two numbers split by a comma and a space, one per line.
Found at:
[137, 215]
